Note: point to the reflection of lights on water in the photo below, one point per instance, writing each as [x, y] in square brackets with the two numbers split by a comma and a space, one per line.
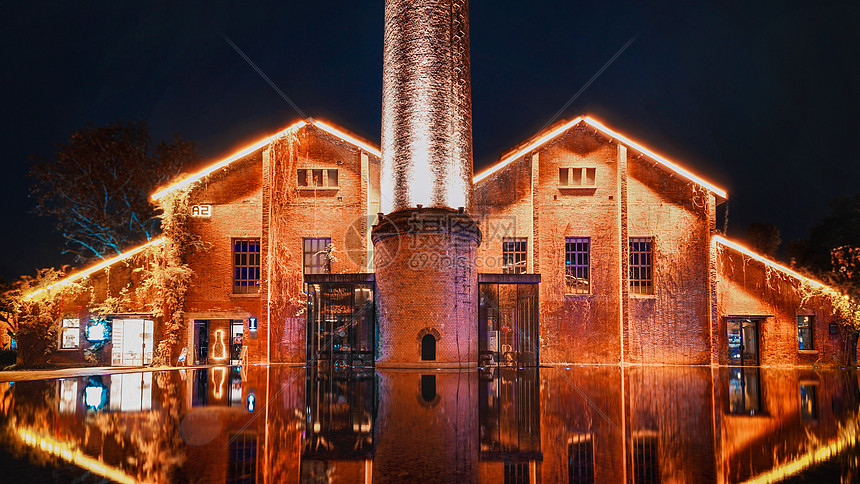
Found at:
[218, 392]
[68, 452]
[820, 454]
[94, 397]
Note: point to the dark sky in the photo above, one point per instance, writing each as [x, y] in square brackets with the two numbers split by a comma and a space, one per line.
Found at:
[761, 98]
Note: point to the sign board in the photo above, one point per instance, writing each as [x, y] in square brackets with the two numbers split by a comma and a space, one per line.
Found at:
[202, 211]
[493, 341]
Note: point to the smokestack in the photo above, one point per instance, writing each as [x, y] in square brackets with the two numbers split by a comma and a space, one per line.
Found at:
[424, 248]
[426, 106]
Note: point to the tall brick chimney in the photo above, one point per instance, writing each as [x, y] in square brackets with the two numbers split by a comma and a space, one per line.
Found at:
[425, 244]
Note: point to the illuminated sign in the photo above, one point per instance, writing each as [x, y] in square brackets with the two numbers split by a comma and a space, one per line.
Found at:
[252, 402]
[202, 211]
[97, 331]
[219, 342]
[252, 323]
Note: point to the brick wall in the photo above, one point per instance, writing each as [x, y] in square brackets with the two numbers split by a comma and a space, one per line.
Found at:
[290, 214]
[636, 199]
[748, 287]
[235, 195]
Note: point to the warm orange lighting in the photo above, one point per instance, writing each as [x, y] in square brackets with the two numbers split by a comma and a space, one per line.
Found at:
[260, 144]
[219, 338]
[69, 453]
[530, 147]
[98, 267]
[226, 161]
[749, 253]
[218, 391]
[612, 134]
[349, 139]
[819, 454]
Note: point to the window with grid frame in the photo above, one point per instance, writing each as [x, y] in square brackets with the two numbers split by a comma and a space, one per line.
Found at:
[70, 334]
[514, 255]
[246, 266]
[641, 265]
[316, 255]
[577, 265]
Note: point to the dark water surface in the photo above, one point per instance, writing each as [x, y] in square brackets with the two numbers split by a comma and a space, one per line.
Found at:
[575, 425]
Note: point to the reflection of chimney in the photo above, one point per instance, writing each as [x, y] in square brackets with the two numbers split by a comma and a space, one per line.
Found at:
[424, 247]
[426, 105]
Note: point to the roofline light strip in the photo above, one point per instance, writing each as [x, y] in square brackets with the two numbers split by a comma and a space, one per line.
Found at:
[226, 161]
[749, 253]
[349, 139]
[608, 132]
[530, 147]
[99, 266]
[260, 144]
[660, 159]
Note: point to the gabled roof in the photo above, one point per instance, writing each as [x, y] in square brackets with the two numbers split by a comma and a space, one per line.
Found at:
[238, 155]
[101, 265]
[548, 136]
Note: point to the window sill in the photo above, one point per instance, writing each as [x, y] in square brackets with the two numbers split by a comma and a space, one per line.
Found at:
[643, 296]
[69, 349]
[318, 189]
[807, 352]
[250, 295]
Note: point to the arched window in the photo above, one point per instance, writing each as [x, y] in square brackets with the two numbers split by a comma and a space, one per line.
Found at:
[428, 348]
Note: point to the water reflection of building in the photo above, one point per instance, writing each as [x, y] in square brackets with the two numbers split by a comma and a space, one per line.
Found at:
[619, 244]
[338, 439]
[581, 425]
[509, 428]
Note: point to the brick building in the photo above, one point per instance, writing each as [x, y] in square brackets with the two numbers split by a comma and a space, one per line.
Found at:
[594, 250]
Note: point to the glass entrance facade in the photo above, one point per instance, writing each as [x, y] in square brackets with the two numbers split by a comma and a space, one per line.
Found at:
[341, 321]
[508, 320]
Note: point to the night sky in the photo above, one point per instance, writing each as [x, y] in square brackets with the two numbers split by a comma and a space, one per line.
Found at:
[762, 99]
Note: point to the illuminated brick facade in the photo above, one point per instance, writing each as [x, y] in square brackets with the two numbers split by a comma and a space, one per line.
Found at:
[699, 280]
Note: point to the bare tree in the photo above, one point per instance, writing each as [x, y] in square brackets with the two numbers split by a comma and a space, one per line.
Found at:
[97, 186]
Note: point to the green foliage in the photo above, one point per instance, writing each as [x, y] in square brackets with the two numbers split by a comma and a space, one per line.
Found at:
[32, 321]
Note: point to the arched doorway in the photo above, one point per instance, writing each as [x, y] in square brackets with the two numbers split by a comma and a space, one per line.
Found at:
[428, 348]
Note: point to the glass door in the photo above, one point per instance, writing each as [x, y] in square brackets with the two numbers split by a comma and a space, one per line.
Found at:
[132, 342]
[743, 341]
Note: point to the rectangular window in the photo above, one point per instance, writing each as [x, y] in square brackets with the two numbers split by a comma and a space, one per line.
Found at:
[514, 255]
[319, 178]
[804, 332]
[577, 177]
[316, 255]
[70, 334]
[577, 265]
[246, 266]
[641, 257]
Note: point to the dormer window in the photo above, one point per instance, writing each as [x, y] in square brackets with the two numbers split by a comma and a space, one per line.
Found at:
[319, 178]
[576, 177]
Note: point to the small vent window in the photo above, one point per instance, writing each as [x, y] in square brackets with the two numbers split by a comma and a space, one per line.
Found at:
[317, 178]
[577, 177]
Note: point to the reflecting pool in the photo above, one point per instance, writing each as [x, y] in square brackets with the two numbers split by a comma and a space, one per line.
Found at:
[571, 424]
